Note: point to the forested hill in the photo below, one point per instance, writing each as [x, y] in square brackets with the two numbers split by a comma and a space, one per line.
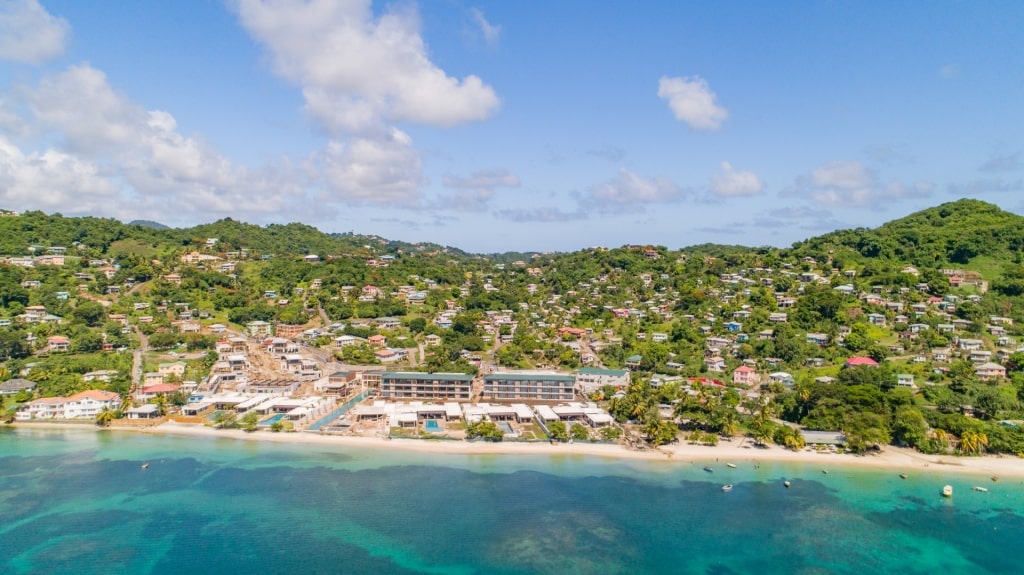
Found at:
[106, 236]
[949, 235]
[970, 234]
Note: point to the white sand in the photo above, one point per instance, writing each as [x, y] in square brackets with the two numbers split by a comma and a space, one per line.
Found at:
[736, 451]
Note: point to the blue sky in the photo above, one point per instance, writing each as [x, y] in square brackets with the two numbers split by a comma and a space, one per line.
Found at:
[497, 126]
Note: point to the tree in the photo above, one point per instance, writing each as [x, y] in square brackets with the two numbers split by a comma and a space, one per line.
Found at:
[973, 442]
[557, 431]
[105, 416]
[249, 421]
[484, 430]
[579, 431]
[909, 426]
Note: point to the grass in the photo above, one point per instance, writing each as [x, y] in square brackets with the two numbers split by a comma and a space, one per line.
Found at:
[989, 267]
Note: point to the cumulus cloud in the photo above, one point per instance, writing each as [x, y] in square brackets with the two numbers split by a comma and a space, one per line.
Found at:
[730, 182]
[1005, 163]
[692, 101]
[52, 180]
[490, 32]
[357, 70]
[28, 33]
[374, 170]
[630, 191]
[851, 184]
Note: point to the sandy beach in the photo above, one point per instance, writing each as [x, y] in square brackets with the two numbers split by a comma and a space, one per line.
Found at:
[737, 451]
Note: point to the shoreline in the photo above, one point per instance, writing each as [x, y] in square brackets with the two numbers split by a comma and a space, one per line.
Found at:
[893, 458]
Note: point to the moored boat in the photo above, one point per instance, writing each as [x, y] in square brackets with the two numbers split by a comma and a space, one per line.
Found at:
[903, 475]
[981, 489]
[708, 469]
[727, 488]
[732, 465]
[947, 491]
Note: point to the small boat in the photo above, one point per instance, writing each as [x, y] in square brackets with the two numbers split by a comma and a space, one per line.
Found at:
[981, 489]
[903, 475]
[727, 488]
[145, 466]
[825, 471]
[732, 465]
[947, 491]
[708, 469]
[786, 483]
[995, 478]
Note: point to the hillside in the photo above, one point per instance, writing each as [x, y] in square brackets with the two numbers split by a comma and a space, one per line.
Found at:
[953, 234]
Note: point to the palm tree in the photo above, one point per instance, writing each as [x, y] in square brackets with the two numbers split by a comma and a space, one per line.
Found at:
[973, 442]
[104, 417]
[795, 440]
[942, 437]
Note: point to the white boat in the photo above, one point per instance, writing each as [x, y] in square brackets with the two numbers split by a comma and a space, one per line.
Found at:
[947, 491]
[727, 488]
[981, 489]
[732, 465]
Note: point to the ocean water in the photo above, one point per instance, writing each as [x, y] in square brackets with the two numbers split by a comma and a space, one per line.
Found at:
[79, 502]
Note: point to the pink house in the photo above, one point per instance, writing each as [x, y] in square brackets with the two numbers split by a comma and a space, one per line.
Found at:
[377, 340]
[860, 361]
[58, 343]
[745, 375]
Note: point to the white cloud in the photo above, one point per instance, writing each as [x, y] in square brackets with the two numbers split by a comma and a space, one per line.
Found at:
[81, 107]
[52, 180]
[28, 33]
[851, 184]
[489, 31]
[692, 101]
[357, 70]
[380, 169]
[629, 191]
[730, 182]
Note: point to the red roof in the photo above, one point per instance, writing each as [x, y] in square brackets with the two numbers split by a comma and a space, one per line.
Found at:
[744, 368]
[856, 361]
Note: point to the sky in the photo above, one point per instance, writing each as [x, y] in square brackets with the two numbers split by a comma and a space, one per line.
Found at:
[513, 126]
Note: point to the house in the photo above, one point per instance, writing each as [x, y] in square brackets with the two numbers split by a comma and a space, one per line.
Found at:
[745, 375]
[432, 339]
[147, 411]
[58, 343]
[778, 317]
[259, 328]
[905, 380]
[176, 368]
[820, 339]
[89, 403]
[859, 361]
[876, 319]
[782, 377]
[633, 361]
[715, 363]
[377, 340]
[390, 355]
[311, 258]
[149, 392]
[589, 379]
[16, 386]
[990, 371]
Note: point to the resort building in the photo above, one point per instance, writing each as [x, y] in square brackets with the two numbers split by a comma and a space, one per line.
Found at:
[590, 379]
[414, 385]
[530, 386]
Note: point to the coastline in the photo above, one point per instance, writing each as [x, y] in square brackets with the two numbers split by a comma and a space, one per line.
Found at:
[897, 459]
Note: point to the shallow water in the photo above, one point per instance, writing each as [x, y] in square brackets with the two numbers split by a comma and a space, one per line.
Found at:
[79, 502]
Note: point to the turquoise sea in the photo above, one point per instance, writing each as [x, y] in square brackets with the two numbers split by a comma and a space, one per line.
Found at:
[79, 502]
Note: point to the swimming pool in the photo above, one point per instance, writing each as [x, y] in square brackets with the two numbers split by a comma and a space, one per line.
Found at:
[431, 425]
[272, 420]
